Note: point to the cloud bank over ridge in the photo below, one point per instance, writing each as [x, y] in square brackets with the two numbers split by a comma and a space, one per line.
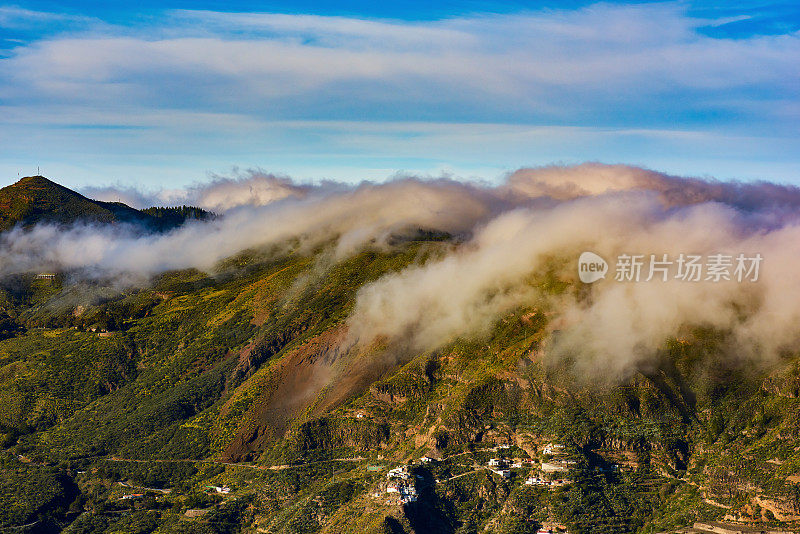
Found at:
[536, 220]
[252, 188]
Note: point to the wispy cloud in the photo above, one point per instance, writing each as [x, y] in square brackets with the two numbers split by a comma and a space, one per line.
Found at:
[17, 17]
[545, 62]
[249, 188]
[649, 67]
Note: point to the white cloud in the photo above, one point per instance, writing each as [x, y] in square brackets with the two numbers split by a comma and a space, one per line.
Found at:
[509, 233]
[549, 64]
[252, 188]
[12, 17]
[331, 31]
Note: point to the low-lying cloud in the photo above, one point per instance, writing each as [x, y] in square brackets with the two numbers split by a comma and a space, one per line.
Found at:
[306, 217]
[618, 324]
[534, 221]
[222, 193]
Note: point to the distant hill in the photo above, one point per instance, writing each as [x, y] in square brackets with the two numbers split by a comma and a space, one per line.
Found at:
[36, 199]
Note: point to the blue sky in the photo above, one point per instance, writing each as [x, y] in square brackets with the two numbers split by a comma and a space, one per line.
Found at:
[160, 95]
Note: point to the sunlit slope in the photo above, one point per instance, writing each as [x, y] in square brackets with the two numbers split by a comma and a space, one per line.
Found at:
[170, 386]
[35, 199]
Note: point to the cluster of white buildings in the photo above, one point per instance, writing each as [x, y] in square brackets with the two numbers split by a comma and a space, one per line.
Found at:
[498, 466]
[553, 449]
[401, 484]
[402, 473]
[406, 492]
[556, 465]
[536, 481]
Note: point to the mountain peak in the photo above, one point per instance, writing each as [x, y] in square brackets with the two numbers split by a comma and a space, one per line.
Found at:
[36, 199]
[35, 178]
[36, 181]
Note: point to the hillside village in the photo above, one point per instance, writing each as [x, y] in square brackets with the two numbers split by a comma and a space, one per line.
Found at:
[405, 480]
[404, 485]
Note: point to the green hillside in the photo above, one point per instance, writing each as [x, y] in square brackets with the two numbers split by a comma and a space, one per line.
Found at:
[36, 199]
[241, 378]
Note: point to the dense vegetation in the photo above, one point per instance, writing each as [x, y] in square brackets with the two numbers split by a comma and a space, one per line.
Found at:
[235, 379]
[175, 216]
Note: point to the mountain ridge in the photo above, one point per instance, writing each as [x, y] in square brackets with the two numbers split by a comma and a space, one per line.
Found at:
[36, 199]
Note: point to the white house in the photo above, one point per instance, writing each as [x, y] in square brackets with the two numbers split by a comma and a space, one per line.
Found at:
[536, 481]
[407, 493]
[401, 472]
[553, 448]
